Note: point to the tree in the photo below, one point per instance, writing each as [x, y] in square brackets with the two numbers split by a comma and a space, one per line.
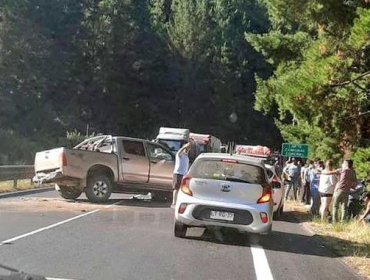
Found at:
[320, 84]
[127, 68]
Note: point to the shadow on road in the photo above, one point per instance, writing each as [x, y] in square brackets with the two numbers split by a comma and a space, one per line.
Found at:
[129, 202]
[316, 245]
[296, 217]
[221, 236]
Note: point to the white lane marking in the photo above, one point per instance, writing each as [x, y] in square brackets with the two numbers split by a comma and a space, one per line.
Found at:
[8, 241]
[51, 278]
[261, 265]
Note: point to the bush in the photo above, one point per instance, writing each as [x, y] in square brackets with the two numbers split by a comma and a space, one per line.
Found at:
[18, 150]
[361, 160]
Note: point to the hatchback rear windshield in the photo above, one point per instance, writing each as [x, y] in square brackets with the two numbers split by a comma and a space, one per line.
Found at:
[228, 171]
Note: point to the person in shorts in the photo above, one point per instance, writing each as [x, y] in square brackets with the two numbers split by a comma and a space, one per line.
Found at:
[328, 180]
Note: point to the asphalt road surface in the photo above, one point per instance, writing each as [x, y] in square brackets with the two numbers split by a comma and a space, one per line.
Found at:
[128, 239]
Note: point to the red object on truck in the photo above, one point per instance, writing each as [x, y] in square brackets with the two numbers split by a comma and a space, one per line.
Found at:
[256, 151]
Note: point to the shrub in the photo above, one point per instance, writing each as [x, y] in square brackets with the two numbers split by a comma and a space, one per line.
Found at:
[361, 160]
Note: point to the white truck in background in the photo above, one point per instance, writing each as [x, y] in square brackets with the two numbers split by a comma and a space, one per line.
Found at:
[173, 138]
[206, 143]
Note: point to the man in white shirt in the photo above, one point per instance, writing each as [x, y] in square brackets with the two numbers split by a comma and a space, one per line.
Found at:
[181, 168]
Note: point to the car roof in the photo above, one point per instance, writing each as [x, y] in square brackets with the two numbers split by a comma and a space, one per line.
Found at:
[239, 158]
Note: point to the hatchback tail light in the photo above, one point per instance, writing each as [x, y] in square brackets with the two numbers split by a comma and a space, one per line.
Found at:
[266, 195]
[185, 186]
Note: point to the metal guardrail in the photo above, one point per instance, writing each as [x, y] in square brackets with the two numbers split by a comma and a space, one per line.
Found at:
[16, 172]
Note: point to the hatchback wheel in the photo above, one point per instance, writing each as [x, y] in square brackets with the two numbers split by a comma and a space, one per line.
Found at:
[180, 229]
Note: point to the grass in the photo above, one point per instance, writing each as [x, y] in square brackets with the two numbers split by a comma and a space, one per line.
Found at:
[7, 186]
[350, 241]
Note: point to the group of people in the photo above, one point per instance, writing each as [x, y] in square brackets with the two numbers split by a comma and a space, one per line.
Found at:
[320, 185]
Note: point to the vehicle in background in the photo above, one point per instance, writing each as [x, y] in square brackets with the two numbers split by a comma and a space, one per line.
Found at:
[223, 190]
[173, 138]
[268, 159]
[206, 143]
[105, 164]
[223, 148]
[278, 191]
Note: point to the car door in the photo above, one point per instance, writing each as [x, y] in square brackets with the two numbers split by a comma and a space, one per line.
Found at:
[162, 163]
[276, 188]
[135, 163]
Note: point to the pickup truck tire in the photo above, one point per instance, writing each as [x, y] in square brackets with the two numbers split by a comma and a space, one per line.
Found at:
[99, 188]
[69, 192]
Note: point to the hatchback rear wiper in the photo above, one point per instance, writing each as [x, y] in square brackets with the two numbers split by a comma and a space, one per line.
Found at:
[236, 179]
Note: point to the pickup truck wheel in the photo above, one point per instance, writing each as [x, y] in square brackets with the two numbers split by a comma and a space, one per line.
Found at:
[99, 188]
[69, 192]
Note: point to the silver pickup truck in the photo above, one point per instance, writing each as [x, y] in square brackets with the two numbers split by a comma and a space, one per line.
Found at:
[105, 164]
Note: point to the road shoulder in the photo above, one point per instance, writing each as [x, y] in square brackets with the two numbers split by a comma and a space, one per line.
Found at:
[349, 242]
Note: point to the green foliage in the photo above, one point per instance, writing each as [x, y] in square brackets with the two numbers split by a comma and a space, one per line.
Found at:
[317, 48]
[129, 67]
[75, 137]
[361, 160]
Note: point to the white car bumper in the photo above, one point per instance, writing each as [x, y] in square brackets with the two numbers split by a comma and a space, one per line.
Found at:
[247, 218]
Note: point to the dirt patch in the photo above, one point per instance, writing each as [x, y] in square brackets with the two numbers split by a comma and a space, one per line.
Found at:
[41, 204]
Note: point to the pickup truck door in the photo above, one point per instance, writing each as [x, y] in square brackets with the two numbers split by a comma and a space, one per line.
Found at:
[162, 164]
[135, 163]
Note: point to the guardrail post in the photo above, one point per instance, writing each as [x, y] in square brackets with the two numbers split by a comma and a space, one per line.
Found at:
[15, 184]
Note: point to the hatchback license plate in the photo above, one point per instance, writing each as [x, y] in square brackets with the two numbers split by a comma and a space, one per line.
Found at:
[219, 215]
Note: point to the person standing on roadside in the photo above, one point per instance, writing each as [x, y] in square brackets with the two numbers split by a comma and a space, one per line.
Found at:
[365, 218]
[181, 168]
[306, 197]
[347, 181]
[299, 183]
[314, 187]
[328, 180]
[292, 173]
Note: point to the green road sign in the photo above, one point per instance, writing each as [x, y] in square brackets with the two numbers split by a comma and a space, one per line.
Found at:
[295, 150]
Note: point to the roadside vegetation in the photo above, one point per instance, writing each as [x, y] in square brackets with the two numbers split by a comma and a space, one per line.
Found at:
[350, 241]
[8, 186]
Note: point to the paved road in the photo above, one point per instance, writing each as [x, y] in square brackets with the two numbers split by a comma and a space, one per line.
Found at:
[127, 239]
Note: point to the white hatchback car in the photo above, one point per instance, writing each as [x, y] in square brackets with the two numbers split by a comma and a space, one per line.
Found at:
[222, 190]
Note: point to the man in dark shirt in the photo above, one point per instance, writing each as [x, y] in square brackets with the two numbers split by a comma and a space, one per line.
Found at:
[346, 182]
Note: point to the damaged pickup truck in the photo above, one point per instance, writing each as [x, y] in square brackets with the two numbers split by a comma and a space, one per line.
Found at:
[105, 164]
